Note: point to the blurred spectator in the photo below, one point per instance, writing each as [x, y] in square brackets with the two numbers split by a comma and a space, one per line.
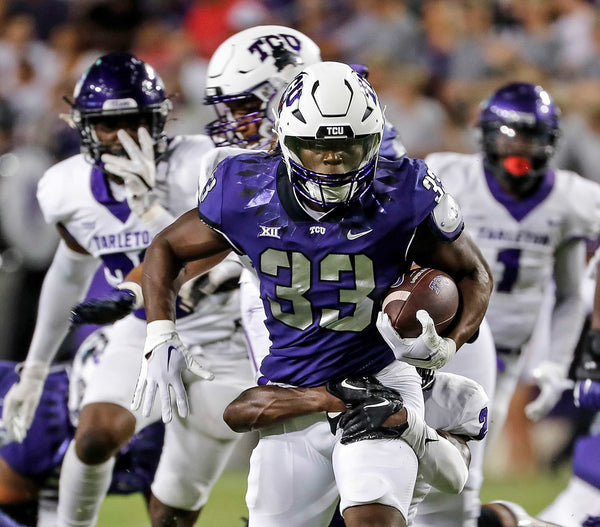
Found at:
[210, 22]
[574, 29]
[27, 243]
[385, 28]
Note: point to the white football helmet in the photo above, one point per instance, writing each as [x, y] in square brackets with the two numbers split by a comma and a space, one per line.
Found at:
[329, 107]
[251, 69]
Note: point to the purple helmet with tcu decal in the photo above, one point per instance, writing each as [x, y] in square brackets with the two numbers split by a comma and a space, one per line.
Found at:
[245, 78]
[116, 85]
[519, 129]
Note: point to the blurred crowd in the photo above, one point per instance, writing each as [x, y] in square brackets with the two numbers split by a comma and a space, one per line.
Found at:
[431, 61]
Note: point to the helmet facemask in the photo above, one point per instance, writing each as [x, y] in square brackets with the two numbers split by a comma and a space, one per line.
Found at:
[153, 119]
[518, 155]
[350, 163]
[237, 113]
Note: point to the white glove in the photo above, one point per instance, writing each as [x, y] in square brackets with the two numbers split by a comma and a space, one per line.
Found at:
[21, 401]
[165, 359]
[428, 350]
[138, 172]
[552, 381]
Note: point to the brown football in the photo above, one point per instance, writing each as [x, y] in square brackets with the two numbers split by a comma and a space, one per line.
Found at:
[421, 288]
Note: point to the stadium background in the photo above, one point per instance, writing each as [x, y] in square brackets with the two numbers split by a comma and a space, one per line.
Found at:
[431, 61]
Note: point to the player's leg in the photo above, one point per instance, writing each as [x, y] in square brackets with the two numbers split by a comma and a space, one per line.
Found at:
[476, 361]
[105, 425]
[197, 449]
[291, 481]
[376, 478]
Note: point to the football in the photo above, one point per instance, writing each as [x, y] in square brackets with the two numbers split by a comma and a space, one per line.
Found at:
[421, 288]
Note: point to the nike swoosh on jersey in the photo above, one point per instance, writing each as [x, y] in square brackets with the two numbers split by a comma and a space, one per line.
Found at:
[354, 235]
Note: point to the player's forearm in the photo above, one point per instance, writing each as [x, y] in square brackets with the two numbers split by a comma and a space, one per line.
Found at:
[263, 406]
[475, 290]
[568, 317]
[65, 284]
[159, 280]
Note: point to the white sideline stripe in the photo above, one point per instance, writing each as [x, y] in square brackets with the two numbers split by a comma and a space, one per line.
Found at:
[398, 295]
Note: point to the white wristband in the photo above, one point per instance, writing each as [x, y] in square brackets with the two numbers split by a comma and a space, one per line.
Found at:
[160, 327]
[136, 289]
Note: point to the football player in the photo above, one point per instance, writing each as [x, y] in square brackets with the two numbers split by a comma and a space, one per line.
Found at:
[328, 226]
[581, 498]
[529, 221]
[129, 182]
[29, 470]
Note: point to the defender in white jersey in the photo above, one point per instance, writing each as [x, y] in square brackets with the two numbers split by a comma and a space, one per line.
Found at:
[530, 221]
[108, 203]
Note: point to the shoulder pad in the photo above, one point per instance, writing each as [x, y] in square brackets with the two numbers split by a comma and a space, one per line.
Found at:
[446, 218]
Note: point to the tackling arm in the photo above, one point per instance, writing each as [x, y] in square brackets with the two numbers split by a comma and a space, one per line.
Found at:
[262, 406]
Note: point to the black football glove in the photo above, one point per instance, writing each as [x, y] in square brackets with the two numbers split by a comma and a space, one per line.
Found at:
[589, 362]
[365, 421]
[104, 310]
[356, 390]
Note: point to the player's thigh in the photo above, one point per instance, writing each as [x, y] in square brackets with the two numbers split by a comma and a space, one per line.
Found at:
[375, 471]
[291, 481]
[190, 464]
[208, 399]
[115, 376]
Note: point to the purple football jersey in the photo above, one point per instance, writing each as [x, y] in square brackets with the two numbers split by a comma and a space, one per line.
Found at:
[321, 282]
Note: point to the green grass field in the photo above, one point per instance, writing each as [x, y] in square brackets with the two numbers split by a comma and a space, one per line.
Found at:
[226, 505]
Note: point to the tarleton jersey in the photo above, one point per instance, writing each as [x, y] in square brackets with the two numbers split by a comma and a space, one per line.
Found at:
[518, 238]
[96, 214]
[321, 282]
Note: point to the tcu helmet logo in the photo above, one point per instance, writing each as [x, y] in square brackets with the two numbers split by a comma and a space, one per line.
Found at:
[265, 45]
[367, 89]
[292, 92]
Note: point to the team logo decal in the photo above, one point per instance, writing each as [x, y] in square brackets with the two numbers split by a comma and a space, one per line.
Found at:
[317, 229]
[270, 232]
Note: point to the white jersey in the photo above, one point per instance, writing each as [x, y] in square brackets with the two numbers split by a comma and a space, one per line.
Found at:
[519, 240]
[96, 214]
[457, 405]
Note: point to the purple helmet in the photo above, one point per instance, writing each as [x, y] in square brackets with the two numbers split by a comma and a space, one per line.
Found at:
[519, 129]
[119, 84]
